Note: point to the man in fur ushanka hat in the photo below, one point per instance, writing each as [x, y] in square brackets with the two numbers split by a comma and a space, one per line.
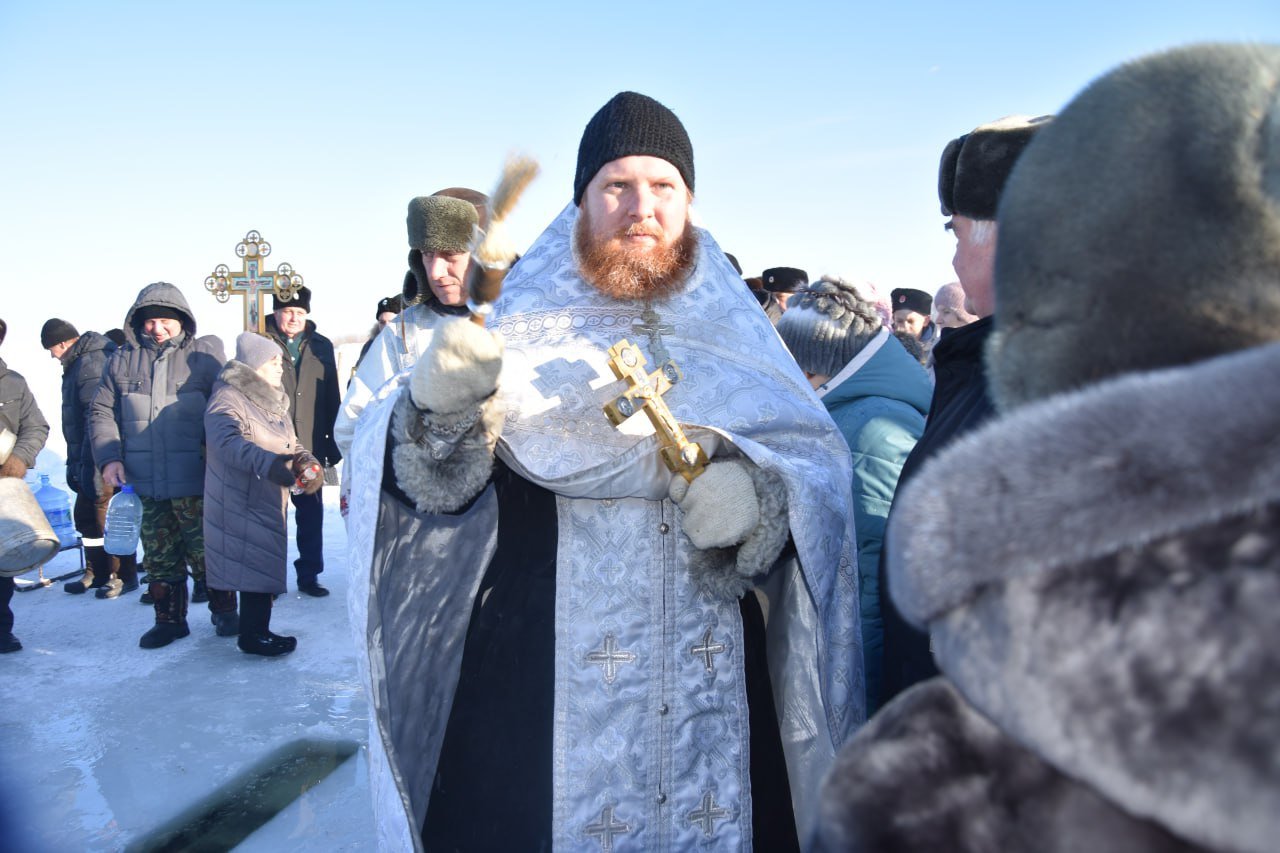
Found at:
[971, 179]
[1102, 599]
[551, 619]
[441, 229]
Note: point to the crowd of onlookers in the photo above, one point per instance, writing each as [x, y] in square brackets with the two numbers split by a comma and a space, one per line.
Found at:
[214, 448]
[1065, 469]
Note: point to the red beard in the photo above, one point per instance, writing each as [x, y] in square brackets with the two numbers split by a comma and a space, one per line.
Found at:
[626, 272]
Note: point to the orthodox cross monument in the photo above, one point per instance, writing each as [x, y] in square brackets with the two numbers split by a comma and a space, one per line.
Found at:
[253, 283]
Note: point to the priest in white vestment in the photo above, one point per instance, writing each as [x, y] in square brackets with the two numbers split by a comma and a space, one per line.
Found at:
[567, 646]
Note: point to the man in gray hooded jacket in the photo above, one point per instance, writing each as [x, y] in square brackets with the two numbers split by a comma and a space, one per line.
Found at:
[147, 428]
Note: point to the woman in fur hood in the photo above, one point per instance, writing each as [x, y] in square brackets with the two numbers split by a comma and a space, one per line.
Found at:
[253, 459]
[1099, 567]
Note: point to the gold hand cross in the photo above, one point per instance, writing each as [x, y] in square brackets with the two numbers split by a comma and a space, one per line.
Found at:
[644, 392]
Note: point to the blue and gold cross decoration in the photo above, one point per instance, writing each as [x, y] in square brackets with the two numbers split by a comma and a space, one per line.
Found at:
[253, 282]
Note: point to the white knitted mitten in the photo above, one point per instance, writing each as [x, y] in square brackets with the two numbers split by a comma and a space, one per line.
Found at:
[459, 369]
[720, 507]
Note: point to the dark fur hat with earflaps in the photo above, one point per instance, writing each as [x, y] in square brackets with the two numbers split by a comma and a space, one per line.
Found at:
[975, 166]
[445, 221]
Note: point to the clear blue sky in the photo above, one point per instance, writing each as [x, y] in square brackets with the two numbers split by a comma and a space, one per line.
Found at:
[142, 140]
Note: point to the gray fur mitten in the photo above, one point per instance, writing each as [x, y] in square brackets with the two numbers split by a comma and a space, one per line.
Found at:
[459, 369]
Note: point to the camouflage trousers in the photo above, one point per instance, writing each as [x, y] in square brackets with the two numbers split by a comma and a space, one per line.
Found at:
[173, 538]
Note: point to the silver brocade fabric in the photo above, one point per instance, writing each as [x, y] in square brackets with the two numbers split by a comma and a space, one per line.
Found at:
[651, 728]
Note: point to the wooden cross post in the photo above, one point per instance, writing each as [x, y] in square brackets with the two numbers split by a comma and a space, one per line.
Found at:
[252, 282]
[682, 456]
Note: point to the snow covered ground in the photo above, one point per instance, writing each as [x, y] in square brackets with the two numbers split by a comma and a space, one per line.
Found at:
[104, 743]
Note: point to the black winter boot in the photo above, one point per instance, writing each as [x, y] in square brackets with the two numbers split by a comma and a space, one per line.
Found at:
[171, 614]
[80, 584]
[255, 620]
[199, 592]
[101, 565]
[222, 612]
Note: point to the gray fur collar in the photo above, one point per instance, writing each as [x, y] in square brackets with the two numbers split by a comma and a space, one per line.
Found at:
[246, 380]
[1100, 574]
[1087, 474]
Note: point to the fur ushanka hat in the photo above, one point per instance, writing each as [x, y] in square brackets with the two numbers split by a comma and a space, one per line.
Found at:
[785, 279]
[911, 299]
[301, 299]
[1098, 568]
[974, 167]
[445, 221]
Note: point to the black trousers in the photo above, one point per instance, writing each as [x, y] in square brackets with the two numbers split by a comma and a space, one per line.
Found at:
[6, 614]
[308, 513]
[255, 613]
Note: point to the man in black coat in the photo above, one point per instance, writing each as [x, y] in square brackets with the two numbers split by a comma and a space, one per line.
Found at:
[971, 177]
[312, 386]
[84, 358]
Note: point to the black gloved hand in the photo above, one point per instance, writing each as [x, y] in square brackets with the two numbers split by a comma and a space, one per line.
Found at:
[281, 471]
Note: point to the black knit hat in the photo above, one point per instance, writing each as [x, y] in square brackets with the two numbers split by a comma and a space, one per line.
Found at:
[911, 299]
[632, 124]
[785, 279]
[56, 331]
[975, 166]
[301, 299]
[388, 303]
[157, 312]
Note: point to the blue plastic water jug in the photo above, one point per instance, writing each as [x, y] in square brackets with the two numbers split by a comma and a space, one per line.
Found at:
[124, 522]
[57, 508]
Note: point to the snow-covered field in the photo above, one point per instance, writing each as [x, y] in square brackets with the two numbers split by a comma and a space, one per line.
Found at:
[104, 742]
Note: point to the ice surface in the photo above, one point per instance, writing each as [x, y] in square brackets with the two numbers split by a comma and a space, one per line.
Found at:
[104, 742]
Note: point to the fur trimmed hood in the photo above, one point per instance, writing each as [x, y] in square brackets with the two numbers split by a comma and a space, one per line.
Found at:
[256, 389]
[1048, 553]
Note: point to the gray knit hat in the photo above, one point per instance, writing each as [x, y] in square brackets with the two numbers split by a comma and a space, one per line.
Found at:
[827, 325]
[255, 350]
